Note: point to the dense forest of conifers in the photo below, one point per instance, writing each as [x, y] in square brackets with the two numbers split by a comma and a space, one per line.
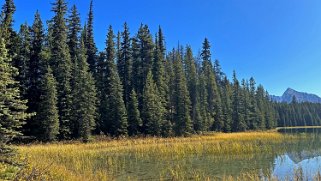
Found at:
[56, 85]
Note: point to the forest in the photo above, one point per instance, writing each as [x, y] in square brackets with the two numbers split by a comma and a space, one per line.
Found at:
[56, 85]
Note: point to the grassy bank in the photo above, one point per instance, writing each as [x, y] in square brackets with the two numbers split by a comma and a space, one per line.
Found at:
[147, 158]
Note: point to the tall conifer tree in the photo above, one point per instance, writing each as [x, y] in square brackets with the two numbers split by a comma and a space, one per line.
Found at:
[61, 63]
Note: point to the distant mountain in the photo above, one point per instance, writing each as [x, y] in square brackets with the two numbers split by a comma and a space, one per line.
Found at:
[300, 97]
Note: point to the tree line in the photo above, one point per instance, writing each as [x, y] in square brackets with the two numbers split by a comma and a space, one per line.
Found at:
[298, 114]
[56, 85]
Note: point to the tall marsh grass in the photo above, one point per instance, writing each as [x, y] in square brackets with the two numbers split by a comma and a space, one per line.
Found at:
[185, 158]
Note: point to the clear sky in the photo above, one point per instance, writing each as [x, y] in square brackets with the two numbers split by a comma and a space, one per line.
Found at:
[278, 42]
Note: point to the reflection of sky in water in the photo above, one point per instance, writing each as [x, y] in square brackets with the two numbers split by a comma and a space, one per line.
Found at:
[286, 166]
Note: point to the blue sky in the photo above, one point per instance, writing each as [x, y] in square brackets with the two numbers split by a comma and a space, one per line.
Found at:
[278, 42]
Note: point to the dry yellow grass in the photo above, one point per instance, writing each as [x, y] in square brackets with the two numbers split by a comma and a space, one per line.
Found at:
[107, 159]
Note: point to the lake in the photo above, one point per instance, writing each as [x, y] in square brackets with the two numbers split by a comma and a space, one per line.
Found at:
[263, 155]
[297, 158]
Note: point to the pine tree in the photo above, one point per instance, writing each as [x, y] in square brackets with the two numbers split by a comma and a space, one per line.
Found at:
[114, 120]
[237, 116]
[37, 67]
[134, 120]
[22, 59]
[12, 107]
[213, 97]
[183, 123]
[152, 112]
[8, 34]
[143, 53]
[260, 96]
[193, 86]
[89, 41]
[47, 115]
[227, 105]
[84, 97]
[124, 63]
[61, 64]
[253, 111]
[73, 33]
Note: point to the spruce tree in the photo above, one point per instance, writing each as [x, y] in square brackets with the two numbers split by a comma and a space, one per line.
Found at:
[8, 34]
[73, 33]
[114, 120]
[213, 97]
[12, 107]
[134, 120]
[143, 54]
[193, 86]
[183, 123]
[226, 105]
[237, 114]
[124, 63]
[84, 97]
[47, 115]
[61, 64]
[89, 41]
[22, 60]
[37, 67]
[152, 112]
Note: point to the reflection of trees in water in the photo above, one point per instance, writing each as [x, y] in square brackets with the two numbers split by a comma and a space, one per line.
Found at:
[302, 147]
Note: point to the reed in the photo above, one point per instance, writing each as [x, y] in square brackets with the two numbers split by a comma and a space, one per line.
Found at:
[147, 158]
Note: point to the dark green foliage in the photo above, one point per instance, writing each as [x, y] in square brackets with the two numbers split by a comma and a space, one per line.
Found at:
[239, 123]
[143, 53]
[61, 65]
[22, 59]
[132, 87]
[193, 86]
[113, 117]
[181, 101]
[124, 63]
[226, 105]
[84, 98]
[12, 107]
[152, 112]
[134, 120]
[8, 34]
[213, 101]
[47, 115]
[89, 41]
[73, 33]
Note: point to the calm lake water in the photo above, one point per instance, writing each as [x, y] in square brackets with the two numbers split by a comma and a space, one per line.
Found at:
[299, 157]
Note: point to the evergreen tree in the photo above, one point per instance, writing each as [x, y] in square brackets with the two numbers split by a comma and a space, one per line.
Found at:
[193, 86]
[37, 67]
[22, 60]
[12, 107]
[47, 115]
[8, 34]
[61, 64]
[253, 112]
[134, 120]
[124, 63]
[114, 120]
[73, 33]
[89, 41]
[143, 53]
[227, 105]
[152, 112]
[84, 97]
[183, 124]
[158, 66]
[213, 97]
[237, 116]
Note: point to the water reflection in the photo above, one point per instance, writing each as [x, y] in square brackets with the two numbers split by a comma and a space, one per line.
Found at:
[287, 169]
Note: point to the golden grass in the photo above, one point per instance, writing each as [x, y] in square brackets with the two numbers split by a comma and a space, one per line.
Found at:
[115, 159]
